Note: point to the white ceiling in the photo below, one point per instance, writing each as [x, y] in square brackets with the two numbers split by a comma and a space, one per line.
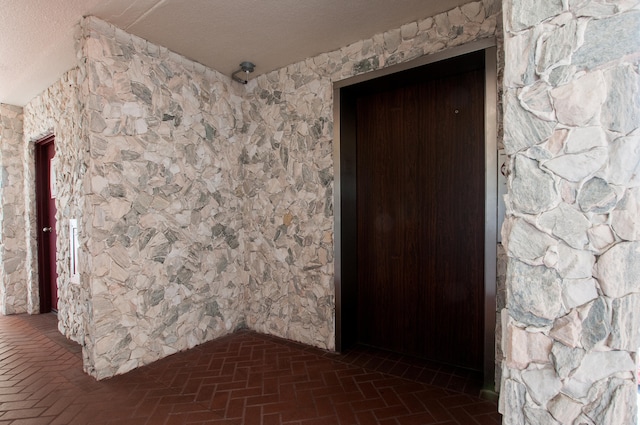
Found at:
[37, 42]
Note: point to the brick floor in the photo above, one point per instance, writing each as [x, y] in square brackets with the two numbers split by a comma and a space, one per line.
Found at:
[244, 378]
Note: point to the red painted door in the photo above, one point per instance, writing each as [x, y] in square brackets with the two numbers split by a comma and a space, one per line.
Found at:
[46, 222]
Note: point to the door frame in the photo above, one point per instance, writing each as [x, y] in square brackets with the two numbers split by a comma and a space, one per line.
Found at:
[345, 274]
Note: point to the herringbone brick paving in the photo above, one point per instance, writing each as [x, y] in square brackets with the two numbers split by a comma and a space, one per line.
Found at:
[244, 378]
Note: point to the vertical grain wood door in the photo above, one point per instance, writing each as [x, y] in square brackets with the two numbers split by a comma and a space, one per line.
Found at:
[420, 216]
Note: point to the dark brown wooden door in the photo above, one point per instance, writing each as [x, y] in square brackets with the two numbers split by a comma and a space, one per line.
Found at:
[420, 216]
[46, 219]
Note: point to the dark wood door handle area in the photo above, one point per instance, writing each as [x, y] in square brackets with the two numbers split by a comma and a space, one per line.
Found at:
[46, 229]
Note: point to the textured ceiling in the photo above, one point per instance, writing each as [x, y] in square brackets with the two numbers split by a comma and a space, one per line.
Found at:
[37, 42]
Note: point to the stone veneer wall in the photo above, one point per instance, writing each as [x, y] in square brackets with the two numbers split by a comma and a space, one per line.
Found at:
[204, 205]
[56, 111]
[209, 207]
[289, 163]
[572, 111]
[13, 252]
[163, 236]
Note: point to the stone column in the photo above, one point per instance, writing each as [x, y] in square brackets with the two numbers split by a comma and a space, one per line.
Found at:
[13, 279]
[572, 234]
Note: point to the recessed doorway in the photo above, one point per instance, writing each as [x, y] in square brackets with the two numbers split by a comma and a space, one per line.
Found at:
[416, 212]
[46, 193]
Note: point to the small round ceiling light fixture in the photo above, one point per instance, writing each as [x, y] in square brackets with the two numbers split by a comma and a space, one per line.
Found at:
[246, 67]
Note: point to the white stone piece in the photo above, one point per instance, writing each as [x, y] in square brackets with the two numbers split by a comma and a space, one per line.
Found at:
[577, 166]
[623, 166]
[600, 238]
[542, 384]
[473, 11]
[519, 67]
[574, 263]
[523, 347]
[579, 102]
[568, 329]
[564, 409]
[625, 219]
[577, 292]
[583, 139]
[567, 224]
[595, 366]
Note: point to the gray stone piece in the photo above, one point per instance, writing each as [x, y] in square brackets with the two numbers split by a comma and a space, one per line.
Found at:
[561, 75]
[625, 323]
[621, 110]
[597, 325]
[618, 270]
[527, 13]
[606, 40]
[555, 47]
[532, 189]
[98, 124]
[527, 243]
[392, 39]
[597, 196]
[529, 129]
[533, 294]
[536, 100]
[566, 359]
[512, 402]
[567, 224]
[366, 65]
